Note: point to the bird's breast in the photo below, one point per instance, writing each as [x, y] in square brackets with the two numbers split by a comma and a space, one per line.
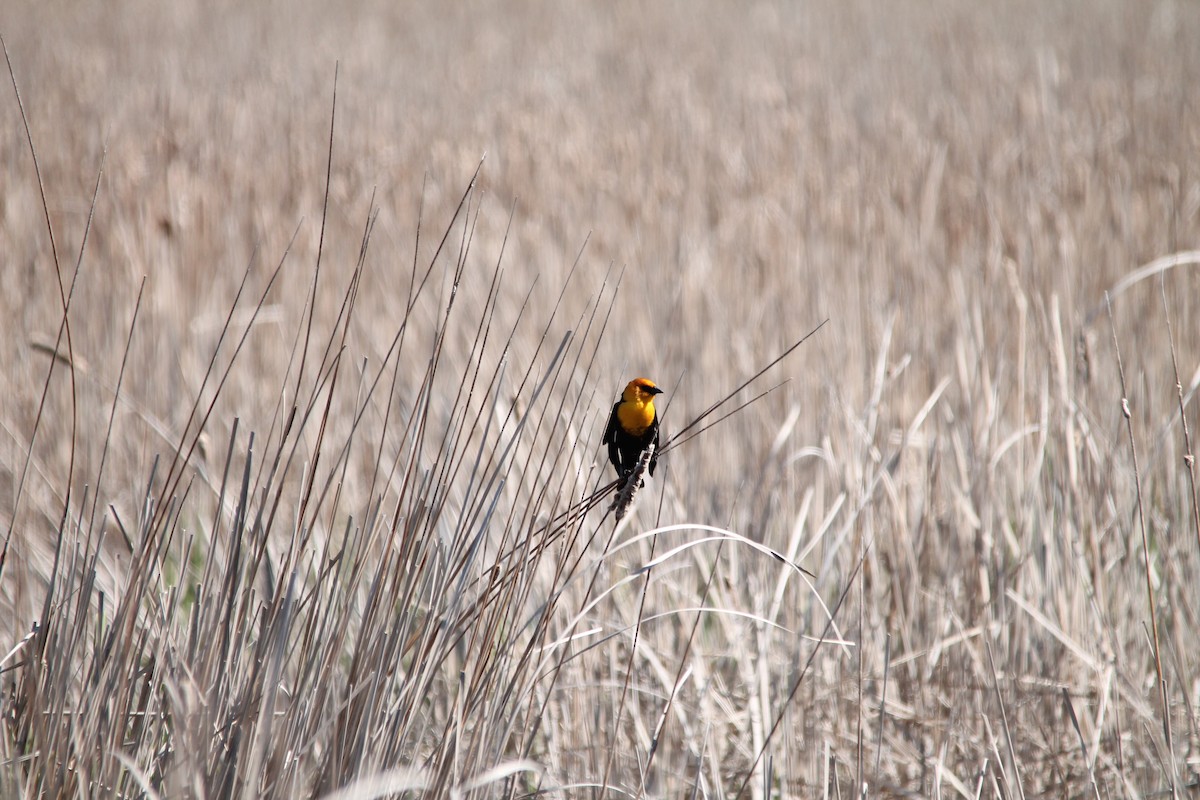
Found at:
[635, 418]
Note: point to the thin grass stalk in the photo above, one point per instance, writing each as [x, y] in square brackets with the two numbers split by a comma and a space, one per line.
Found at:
[1189, 457]
[1151, 603]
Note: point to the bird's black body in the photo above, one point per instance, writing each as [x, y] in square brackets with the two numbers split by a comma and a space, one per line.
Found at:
[624, 448]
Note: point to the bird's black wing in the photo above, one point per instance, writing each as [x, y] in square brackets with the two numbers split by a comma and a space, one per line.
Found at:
[610, 439]
[654, 440]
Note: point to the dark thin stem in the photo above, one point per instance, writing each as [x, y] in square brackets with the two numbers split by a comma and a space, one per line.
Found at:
[1137, 480]
[744, 384]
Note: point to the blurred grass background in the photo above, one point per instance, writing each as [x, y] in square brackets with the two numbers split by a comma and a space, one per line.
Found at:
[954, 185]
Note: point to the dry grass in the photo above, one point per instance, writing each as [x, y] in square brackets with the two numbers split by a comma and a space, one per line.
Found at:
[320, 533]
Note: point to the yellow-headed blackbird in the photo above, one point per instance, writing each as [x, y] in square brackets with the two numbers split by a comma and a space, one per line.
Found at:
[633, 426]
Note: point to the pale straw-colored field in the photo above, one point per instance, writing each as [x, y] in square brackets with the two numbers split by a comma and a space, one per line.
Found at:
[312, 498]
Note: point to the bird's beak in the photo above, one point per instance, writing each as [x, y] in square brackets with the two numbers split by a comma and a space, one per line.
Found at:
[655, 390]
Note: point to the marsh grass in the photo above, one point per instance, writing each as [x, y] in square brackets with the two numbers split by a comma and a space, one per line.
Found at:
[302, 488]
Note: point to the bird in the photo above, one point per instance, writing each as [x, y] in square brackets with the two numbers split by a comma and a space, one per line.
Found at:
[633, 426]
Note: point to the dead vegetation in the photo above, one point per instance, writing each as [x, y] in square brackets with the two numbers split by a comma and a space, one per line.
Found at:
[308, 499]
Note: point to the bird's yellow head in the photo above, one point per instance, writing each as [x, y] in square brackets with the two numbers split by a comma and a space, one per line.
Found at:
[640, 391]
[636, 409]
